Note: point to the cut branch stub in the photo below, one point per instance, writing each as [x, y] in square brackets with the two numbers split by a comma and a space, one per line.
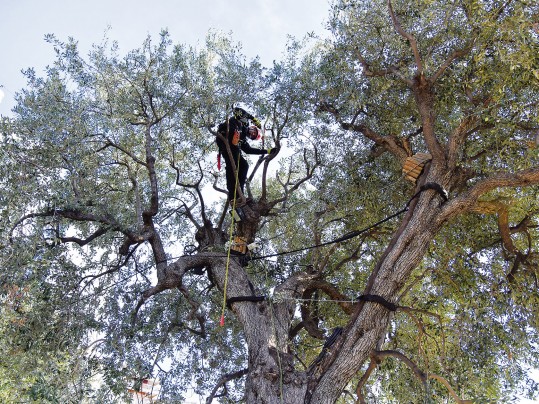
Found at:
[413, 166]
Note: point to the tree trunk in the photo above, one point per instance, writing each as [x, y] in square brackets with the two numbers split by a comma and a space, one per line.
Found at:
[368, 327]
[271, 376]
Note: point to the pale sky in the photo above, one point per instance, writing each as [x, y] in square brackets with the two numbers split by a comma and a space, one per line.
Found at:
[261, 26]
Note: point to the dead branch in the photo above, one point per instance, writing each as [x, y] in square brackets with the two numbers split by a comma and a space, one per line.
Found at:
[291, 186]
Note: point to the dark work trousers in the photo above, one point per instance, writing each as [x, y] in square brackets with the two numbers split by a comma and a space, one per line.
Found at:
[231, 175]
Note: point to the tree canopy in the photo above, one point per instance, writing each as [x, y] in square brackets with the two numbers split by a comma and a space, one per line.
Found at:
[365, 286]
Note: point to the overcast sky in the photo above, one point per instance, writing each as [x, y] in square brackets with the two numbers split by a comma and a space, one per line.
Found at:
[261, 26]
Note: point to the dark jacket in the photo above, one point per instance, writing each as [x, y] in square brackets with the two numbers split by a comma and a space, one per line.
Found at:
[241, 143]
[236, 133]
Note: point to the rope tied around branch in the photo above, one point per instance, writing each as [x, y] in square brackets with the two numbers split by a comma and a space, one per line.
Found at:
[428, 186]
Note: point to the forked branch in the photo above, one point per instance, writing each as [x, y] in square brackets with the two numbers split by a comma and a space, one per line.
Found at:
[378, 356]
[411, 39]
[225, 379]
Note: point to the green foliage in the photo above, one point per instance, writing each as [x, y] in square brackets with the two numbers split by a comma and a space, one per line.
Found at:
[79, 145]
[475, 315]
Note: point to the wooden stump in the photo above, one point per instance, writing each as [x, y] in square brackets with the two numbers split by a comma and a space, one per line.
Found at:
[413, 166]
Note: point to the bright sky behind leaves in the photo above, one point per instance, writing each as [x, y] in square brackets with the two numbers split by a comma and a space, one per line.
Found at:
[262, 26]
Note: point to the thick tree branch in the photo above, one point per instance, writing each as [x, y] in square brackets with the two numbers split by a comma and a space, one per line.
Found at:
[82, 242]
[309, 322]
[403, 358]
[170, 276]
[153, 208]
[469, 199]
[510, 251]
[373, 364]
[388, 142]
[334, 294]
[466, 127]
[457, 54]
[424, 97]
[78, 216]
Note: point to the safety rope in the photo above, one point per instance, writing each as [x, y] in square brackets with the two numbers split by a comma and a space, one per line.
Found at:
[431, 185]
[231, 233]
[366, 298]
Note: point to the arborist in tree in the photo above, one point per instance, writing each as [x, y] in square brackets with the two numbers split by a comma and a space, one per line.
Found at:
[236, 130]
